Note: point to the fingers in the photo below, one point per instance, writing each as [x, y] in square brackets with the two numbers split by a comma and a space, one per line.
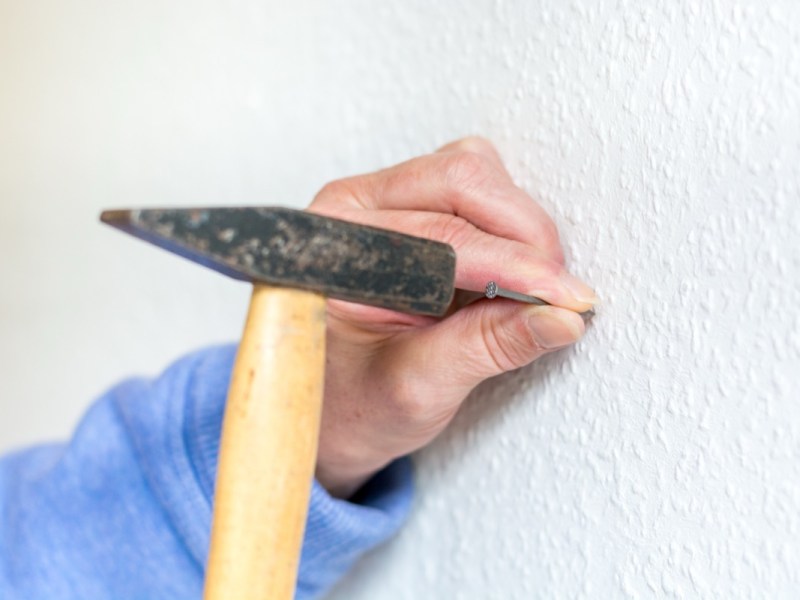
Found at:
[471, 184]
[482, 257]
[489, 338]
[462, 195]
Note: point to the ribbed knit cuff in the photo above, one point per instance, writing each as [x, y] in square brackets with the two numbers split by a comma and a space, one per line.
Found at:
[339, 532]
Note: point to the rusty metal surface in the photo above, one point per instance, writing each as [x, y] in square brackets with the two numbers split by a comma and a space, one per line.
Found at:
[297, 249]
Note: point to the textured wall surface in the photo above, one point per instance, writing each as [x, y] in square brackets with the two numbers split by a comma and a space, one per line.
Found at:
[660, 457]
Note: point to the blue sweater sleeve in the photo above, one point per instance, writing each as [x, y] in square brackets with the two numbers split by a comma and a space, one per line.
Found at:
[124, 509]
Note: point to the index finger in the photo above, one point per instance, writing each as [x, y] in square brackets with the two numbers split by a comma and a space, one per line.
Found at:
[467, 184]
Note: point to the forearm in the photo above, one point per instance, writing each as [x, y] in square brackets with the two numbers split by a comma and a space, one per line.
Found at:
[124, 509]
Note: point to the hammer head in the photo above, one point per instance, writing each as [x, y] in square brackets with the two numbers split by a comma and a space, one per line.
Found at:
[297, 249]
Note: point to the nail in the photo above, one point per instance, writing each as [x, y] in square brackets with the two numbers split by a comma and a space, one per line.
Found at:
[551, 331]
[495, 291]
[579, 290]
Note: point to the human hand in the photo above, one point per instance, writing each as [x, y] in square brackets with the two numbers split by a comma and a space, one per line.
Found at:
[394, 381]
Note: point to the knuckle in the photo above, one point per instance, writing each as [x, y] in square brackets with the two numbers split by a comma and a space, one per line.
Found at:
[413, 410]
[549, 233]
[474, 143]
[510, 348]
[451, 229]
[542, 268]
[335, 193]
[410, 404]
[550, 269]
[466, 169]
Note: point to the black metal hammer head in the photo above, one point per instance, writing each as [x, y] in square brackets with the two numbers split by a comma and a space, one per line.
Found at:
[297, 249]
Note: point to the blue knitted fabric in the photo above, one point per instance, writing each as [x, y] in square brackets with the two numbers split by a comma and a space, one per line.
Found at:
[123, 510]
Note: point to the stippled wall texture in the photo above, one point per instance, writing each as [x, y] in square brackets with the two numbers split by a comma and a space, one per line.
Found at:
[660, 457]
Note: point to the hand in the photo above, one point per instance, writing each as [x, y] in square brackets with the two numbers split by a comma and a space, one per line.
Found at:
[393, 381]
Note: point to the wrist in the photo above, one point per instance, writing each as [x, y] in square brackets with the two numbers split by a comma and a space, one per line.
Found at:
[342, 480]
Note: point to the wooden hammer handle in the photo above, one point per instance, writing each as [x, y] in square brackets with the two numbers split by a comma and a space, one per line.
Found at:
[268, 448]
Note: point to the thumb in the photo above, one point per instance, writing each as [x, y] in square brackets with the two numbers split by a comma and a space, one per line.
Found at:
[488, 338]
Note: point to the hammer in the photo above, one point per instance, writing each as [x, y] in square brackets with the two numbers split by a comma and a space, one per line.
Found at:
[268, 449]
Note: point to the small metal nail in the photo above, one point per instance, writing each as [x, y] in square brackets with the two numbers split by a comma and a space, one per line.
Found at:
[495, 291]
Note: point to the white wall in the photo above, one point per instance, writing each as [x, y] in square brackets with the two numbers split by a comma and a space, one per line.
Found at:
[661, 457]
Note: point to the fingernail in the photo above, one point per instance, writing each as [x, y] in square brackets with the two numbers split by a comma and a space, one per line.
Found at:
[579, 290]
[552, 331]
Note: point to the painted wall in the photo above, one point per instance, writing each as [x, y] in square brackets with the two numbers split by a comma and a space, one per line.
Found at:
[661, 457]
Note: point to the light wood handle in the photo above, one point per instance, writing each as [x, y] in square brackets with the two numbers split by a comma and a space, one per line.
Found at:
[268, 448]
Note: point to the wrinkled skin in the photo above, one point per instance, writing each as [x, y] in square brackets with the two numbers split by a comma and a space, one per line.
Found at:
[394, 381]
